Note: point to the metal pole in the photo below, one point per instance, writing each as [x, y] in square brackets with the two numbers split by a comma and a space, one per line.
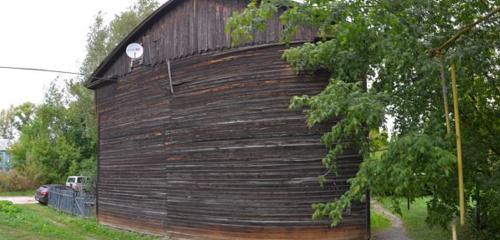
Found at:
[170, 76]
[445, 94]
[459, 145]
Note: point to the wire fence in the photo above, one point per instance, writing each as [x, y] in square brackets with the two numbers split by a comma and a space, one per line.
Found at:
[73, 202]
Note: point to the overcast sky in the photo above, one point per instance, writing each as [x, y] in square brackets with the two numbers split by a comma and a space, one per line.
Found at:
[45, 34]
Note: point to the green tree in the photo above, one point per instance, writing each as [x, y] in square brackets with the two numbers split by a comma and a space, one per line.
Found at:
[59, 136]
[103, 38]
[7, 123]
[13, 119]
[384, 58]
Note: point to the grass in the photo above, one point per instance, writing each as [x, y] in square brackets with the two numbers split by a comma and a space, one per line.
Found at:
[34, 221]
[16, 194]
[414, 221]
[378, 222]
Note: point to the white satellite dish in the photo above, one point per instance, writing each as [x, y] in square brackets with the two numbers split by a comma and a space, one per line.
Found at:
[134, 50]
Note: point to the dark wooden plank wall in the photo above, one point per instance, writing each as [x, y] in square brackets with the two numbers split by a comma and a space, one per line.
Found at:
[239, 163]
[221, 158]
[193, 27]
[131, 180]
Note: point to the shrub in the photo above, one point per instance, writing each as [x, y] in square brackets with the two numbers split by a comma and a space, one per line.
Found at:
[8, 208]
[20, 179]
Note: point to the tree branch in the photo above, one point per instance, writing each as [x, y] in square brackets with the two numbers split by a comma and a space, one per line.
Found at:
[462, 31]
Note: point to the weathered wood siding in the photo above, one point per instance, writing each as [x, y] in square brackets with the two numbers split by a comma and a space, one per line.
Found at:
[192, 27]
[131, 160]
[221, 158]
[239, 161]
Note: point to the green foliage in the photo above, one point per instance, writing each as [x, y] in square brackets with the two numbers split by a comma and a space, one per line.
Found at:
[13, 119]
[34, 221]
[21, 179]
[414, 220]
[378, 222]
[59, 137]
[389, 46]
[103, 38]
[7, 207]
[241, 27]
[55, 140]
[352, 104]
[6, 124]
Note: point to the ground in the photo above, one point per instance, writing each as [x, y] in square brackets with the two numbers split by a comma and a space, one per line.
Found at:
[414, 225]
[22, 193]
[35, 221]
[20, 199]
[396, 231]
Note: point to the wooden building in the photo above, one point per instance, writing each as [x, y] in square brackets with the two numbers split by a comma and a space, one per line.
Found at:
[4, 155]
[197, 141]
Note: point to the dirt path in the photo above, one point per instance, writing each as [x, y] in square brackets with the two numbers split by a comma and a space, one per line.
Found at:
[396, 232]
[20, 200]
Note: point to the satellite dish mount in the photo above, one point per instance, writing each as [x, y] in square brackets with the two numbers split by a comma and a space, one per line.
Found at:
[135, 52]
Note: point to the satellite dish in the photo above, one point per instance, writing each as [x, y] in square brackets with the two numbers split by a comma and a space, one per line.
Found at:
[134, 50]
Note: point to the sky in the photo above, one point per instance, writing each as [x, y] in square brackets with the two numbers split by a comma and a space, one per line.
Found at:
[48, 34]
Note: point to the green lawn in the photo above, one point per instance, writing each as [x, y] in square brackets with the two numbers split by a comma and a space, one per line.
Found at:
[34, 221]
[414, 221]
[378, 222]
[14, 194]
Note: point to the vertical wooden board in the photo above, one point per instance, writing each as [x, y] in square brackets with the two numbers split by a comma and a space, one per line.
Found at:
[186, 17]
[219, 28]
[181, 30]
[198, 24]
[178, 32]
[211, 21]
[193, 27]
[225, 20]
[162, 39]
[203, 30]
[168, 45]
[146, 44]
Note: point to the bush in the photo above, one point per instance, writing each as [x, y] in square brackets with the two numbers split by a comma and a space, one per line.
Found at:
[8, 208]
[22, 179]
[90, 170]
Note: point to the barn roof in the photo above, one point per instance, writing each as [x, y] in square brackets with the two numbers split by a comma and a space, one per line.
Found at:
[150, 20]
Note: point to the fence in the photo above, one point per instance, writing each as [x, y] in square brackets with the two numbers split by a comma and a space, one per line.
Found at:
[71, 201]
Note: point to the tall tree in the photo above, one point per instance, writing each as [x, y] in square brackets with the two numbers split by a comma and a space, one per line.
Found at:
[395, 47]
[59, 137]
[7, 124]
[103, 37]
[13, 119]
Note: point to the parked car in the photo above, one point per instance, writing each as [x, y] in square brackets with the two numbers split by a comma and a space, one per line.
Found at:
[42, 193]
[76, 182]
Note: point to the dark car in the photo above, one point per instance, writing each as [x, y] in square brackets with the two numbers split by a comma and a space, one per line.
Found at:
[42, 193]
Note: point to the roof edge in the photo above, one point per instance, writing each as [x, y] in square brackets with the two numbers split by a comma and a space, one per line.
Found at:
[137, 31]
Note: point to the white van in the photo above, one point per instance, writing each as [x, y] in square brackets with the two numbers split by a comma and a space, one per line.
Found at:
[76, 182]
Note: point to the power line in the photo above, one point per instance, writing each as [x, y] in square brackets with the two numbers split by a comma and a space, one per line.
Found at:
[39, 70]
[49, 70]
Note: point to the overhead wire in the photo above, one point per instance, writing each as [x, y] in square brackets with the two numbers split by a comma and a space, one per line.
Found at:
[48, 70]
